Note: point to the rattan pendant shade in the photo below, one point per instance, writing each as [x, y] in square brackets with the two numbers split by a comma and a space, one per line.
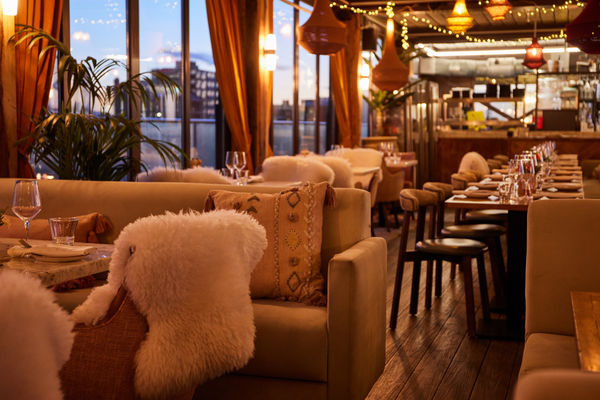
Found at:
[498, 9]
[584, 31]
[390, 74]
[322, 33]
[460, 20]
[534, 57]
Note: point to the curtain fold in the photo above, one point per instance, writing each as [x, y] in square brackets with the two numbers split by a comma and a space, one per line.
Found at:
[33, 75]
[344, 86]
[226, 40]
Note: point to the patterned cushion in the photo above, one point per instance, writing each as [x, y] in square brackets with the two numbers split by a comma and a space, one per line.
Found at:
[291, 265]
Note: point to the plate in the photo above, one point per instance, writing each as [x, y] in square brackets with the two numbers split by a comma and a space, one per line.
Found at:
[60, 259]
[563, 186]
[480, 194]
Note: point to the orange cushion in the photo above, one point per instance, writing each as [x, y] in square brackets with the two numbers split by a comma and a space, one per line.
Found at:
[88, 227]
[291, 265]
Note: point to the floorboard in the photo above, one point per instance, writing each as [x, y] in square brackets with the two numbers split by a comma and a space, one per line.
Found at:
[430, 356]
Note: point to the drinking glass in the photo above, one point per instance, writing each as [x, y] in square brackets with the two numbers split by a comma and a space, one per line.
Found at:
[26, 203]
[62, 229]
[230, 157]
[239, 163]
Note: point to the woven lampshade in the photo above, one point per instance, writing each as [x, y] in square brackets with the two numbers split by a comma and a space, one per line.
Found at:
[534, 57]
[322, 33]
[584, 31]
[390, 74]
[460, 20]
[498, 9]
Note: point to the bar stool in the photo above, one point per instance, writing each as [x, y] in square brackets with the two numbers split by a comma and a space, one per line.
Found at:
[460, 251]
[488, 233]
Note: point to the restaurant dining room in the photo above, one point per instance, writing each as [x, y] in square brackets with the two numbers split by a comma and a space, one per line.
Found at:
[299, 199]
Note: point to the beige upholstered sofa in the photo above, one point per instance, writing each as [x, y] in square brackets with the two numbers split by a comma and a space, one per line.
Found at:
[562, 256]
[302, 352]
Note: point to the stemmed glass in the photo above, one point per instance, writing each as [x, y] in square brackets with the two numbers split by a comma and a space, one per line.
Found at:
[230, 161]
[239, 164]
[26, 203]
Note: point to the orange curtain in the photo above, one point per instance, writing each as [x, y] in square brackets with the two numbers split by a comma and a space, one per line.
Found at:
[33, 75]
[344, 85]
[226, 40]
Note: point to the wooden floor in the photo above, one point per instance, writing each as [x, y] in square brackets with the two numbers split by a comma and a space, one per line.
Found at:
[430, 356]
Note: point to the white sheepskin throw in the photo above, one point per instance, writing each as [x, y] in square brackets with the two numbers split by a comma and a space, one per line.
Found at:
[288, 168]
[189, 275]
[361, 157]
[35, 339]
[192, 175]
[475, 162]
[341, 167]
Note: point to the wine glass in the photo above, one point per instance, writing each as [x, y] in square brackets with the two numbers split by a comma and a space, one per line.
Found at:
[230, 162]
[239, 163]
[26, 203]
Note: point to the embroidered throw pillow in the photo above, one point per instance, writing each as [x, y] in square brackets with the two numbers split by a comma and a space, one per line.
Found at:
[290, 268]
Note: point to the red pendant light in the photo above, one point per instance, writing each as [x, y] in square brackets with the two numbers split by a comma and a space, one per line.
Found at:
[390, 74]
[584, 31]
[498, 9]
[322, 33]
[460, 20]
[534, 57]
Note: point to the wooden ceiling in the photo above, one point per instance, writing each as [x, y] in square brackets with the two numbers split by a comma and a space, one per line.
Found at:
[516, 25]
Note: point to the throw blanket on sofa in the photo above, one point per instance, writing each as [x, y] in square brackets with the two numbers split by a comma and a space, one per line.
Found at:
[189, 275]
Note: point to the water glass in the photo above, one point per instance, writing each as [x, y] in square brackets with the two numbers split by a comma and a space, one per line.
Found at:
[63, 229]
[243, 177]
[504, 189]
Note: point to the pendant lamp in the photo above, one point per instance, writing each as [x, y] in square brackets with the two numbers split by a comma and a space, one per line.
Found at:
[390, 74]
[584, 31]
[534, 57]
[498, 9]
[322, 33]
[460, 20]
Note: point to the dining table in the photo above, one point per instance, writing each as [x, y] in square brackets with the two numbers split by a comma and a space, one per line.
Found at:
[52, 273]
[511, 328]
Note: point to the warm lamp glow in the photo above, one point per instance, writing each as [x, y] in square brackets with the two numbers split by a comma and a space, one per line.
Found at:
[534, 57]
[498, 9]
[460, 20]
[322, 33]
[390, 74]
[10, 7]
[584, 31]
[269, 48]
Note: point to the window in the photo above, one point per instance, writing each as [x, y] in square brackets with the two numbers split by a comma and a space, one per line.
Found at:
[297, 119]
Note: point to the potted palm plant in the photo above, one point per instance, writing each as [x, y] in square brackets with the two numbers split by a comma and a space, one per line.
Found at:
[93, 142]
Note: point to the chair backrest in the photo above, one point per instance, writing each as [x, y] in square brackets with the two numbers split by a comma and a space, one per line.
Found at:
[193, 175]
[460, 180]
[502, 158]
[35, 338]
[475, 162]
[164, 262]
[494, 164]
[341, 167]
[390, 186]
[304, 169]
[562, 256]
[363, 157]
[443, 192]
[419, 201]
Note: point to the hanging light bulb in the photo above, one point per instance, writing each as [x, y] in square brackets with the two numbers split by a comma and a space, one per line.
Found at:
[498, 9]
[534, 57]
[460, 20]
[390, 74]
[584, 31]
[322, 33]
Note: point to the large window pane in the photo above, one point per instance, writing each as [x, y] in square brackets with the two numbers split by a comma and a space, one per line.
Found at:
[160, 50]
[283, 79]
[307, 65]
[98, 30]
[324, 100]
[204, 88]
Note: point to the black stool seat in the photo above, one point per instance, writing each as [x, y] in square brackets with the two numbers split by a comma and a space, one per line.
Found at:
[474, 231]
[451, 247]
[498, 216]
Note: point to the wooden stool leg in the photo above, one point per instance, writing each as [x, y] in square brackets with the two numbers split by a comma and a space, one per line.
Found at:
[414, 293]
[452, 271]
[457, 216]
[438, 278]
[498, 271]
[396, 297]
[395, 211]
[469, 300]
[485, 301]
[428, 284]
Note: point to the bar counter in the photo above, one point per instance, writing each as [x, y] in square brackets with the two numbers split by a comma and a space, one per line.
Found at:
[453, 144]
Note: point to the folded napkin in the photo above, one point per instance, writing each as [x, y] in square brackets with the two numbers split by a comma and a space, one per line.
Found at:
[472, 188]
[486, 180]
[490, 185]
[552, 189]
[493, 198]
[495, 177]
[51, 250]
[460, 196]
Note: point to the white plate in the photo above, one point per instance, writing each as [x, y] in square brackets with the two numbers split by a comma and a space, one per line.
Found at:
[60, 259]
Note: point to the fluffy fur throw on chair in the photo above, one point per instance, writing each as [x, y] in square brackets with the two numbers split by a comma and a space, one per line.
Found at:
[341, 169]
[189, 275]
[288, 168]
[191, 175]
[35, 338]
